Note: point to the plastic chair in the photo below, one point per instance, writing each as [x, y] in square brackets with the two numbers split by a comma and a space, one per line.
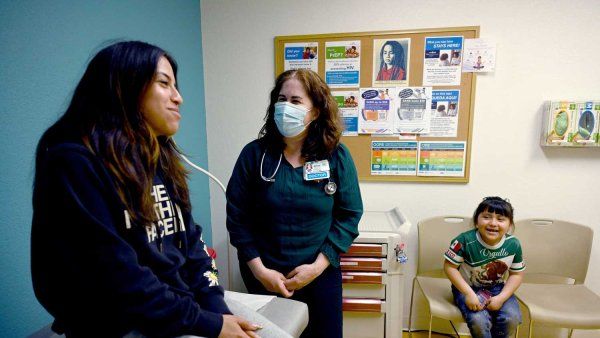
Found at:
[557, 254]
[435, 235]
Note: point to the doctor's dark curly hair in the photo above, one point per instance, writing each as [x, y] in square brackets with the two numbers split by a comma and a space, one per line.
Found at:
[323, 133]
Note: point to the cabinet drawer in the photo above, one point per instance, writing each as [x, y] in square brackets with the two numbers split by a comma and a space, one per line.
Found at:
[363, 264]
[349, 277]
[367, 250]
[363, 305]
[364, 325]
[376, 291]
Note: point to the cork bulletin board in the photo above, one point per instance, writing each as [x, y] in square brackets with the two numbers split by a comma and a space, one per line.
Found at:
[360, 146]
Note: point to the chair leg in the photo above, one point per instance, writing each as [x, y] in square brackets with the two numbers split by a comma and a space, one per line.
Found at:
[430, 324]
[530, 328]
[412, 297]
[454, 328]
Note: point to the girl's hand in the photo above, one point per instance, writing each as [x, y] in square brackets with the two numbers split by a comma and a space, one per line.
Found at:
[473, 303]
[274, 281]
[234, 326]
[495, 303]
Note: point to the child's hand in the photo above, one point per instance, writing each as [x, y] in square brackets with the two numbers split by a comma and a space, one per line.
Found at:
[473, 303]
[495, 303]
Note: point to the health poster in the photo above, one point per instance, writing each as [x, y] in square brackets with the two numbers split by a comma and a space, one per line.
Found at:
[391, 58]
[348, 109]
[301, 55]
[480, 56]
[376, 109]
[397, 158]
[413, 110]
[442, 159]
[342, 64]
[444, 113]
[443, 61]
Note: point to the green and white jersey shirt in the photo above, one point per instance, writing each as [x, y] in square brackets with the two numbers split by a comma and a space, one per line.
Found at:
[484, 265]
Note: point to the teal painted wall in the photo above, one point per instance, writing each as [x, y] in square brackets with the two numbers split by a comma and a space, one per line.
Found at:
[45, 46]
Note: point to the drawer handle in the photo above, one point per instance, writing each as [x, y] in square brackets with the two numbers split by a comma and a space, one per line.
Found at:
[366, 250]
[362, 264]
[363, 305]
[362, 278]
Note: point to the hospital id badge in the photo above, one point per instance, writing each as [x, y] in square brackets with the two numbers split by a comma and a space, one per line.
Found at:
[316, 170]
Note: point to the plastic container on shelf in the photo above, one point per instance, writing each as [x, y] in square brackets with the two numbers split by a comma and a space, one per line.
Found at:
[571, 124]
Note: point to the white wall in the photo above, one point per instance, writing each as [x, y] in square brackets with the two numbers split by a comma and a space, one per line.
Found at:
[545, 50]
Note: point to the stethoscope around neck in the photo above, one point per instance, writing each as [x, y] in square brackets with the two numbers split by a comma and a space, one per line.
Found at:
[272, 178]
[330, 188]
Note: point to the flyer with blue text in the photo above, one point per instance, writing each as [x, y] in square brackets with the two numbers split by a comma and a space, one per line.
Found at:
[342, 64]
[376, 110]
[443, 61]
[301, 55]
[413, 112]
[444, 113]
[348, 109]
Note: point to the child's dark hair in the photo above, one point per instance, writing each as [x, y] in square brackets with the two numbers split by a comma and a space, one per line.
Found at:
[496, 205]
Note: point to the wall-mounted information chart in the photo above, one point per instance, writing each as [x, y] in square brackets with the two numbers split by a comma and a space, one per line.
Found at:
[394, 158]
[441, 158]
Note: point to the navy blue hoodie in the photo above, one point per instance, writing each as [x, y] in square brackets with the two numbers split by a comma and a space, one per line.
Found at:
[100, 275]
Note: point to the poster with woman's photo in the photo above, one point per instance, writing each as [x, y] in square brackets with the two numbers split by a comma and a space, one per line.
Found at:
[391, 58]
[443, 60]
[413, 111]
[342, 63]
[376, 109]
[301, 55]
[444, 113]
[348, 109]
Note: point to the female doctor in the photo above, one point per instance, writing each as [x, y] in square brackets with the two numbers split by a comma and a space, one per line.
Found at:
[293, 202]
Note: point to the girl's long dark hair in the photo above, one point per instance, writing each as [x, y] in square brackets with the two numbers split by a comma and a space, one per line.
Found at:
[104, 114]
[323, 133]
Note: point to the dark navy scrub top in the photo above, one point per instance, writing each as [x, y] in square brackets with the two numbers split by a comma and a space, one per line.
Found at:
[289, 221]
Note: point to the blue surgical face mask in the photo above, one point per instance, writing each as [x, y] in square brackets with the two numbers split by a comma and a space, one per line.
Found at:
[289, 118]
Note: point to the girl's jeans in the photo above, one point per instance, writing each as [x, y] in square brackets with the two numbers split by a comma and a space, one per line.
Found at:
[488, 324]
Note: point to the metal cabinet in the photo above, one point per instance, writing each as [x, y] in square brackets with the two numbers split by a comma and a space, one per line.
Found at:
[372, 287]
